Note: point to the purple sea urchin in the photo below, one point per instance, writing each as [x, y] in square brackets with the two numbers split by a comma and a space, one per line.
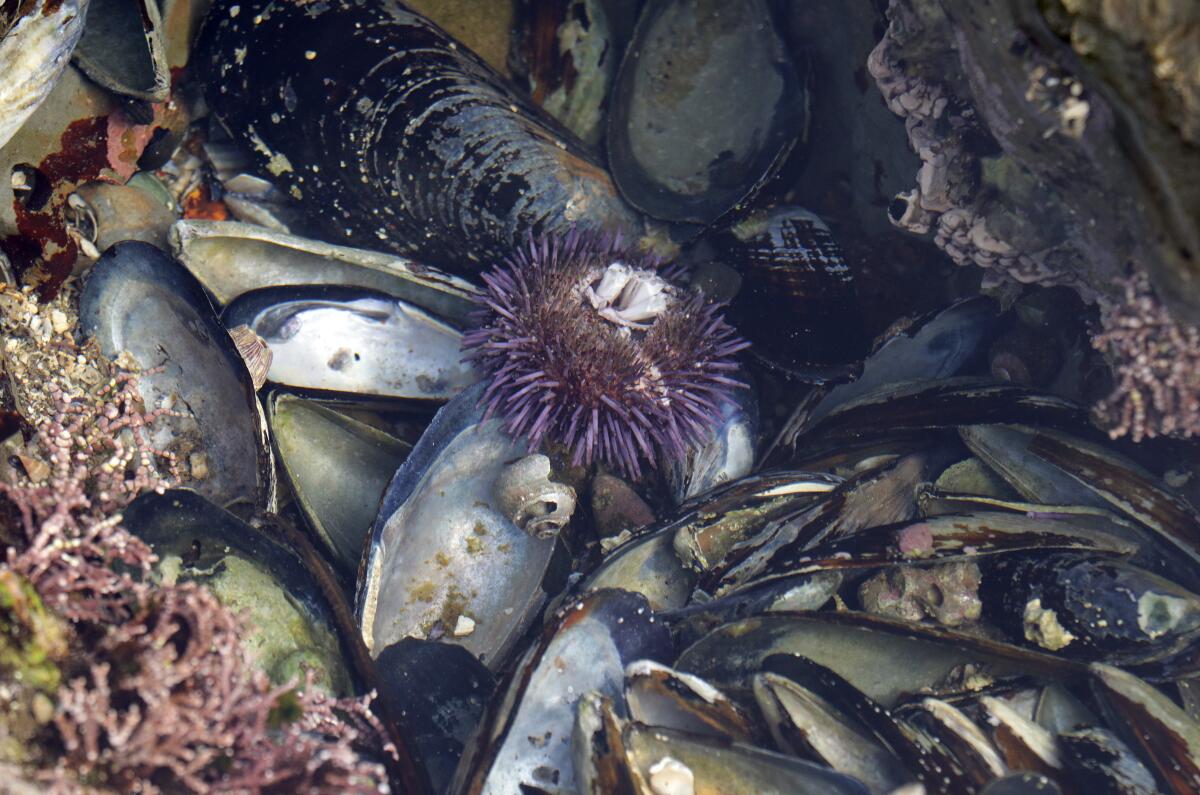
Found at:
[586, 343]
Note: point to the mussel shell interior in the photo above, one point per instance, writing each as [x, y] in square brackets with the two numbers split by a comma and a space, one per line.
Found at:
[337, 467]
[355, 342]
[289, 626]
[707, 102]
[122, 48]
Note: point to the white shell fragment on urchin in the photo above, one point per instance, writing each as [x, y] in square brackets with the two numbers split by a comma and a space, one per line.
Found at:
[33, 54]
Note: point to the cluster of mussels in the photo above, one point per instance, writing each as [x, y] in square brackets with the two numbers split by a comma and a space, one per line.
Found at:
[933, 576]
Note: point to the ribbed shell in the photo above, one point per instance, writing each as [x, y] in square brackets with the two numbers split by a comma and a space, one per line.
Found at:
[393, 135]
[797, 303]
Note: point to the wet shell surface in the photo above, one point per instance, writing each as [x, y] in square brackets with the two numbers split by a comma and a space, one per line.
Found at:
[708, 103]
[393, 135]
[343, 340]
[33, 53]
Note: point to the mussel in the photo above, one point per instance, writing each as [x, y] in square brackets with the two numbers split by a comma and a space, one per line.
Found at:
[140, 303]
[708, 105]
[392, 134]
[35, 46]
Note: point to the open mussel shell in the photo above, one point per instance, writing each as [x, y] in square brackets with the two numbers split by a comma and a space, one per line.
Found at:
[715, 527]
[354, 343]
[337, 468]
[1160, 732]
[707, 106]
[933, 348]
[797, 303]
[922, 405]
[1024, 744]
[671, 761]
[948, 727]
[231, 258]
[442, 559]
[290, 623]
[138, 300]
[649, 566]
[440, 690]
[122, 49]
[925, 757]
[851, 644]
[525, 740]
[34, 50]
[807, 725]
[390, 133]
[660, 696]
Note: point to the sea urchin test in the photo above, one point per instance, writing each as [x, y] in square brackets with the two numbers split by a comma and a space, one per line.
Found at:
[588, 344]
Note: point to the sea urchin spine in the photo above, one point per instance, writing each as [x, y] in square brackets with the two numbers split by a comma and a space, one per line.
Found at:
[587, 344]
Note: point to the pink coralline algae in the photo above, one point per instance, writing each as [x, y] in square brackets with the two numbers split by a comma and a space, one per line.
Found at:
[160, 694]
[1156, 364]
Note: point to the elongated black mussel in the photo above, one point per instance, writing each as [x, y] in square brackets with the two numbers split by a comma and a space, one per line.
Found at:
[392, 134]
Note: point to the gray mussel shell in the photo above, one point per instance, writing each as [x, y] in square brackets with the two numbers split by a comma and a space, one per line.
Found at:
[852, 644]
[526, 736]
[139, 300]
[441, 690]
[806, 725]
[337, 468]
[649, 566]
[440, 548]
[291, 622]
[727, 453]
[122, 49]
[231, 258]
[33, 54]
[353, 342]
[389, 133]
[708, 104]
[660, 757]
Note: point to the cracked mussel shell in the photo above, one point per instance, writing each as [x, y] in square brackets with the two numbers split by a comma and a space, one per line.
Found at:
[391, 134]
